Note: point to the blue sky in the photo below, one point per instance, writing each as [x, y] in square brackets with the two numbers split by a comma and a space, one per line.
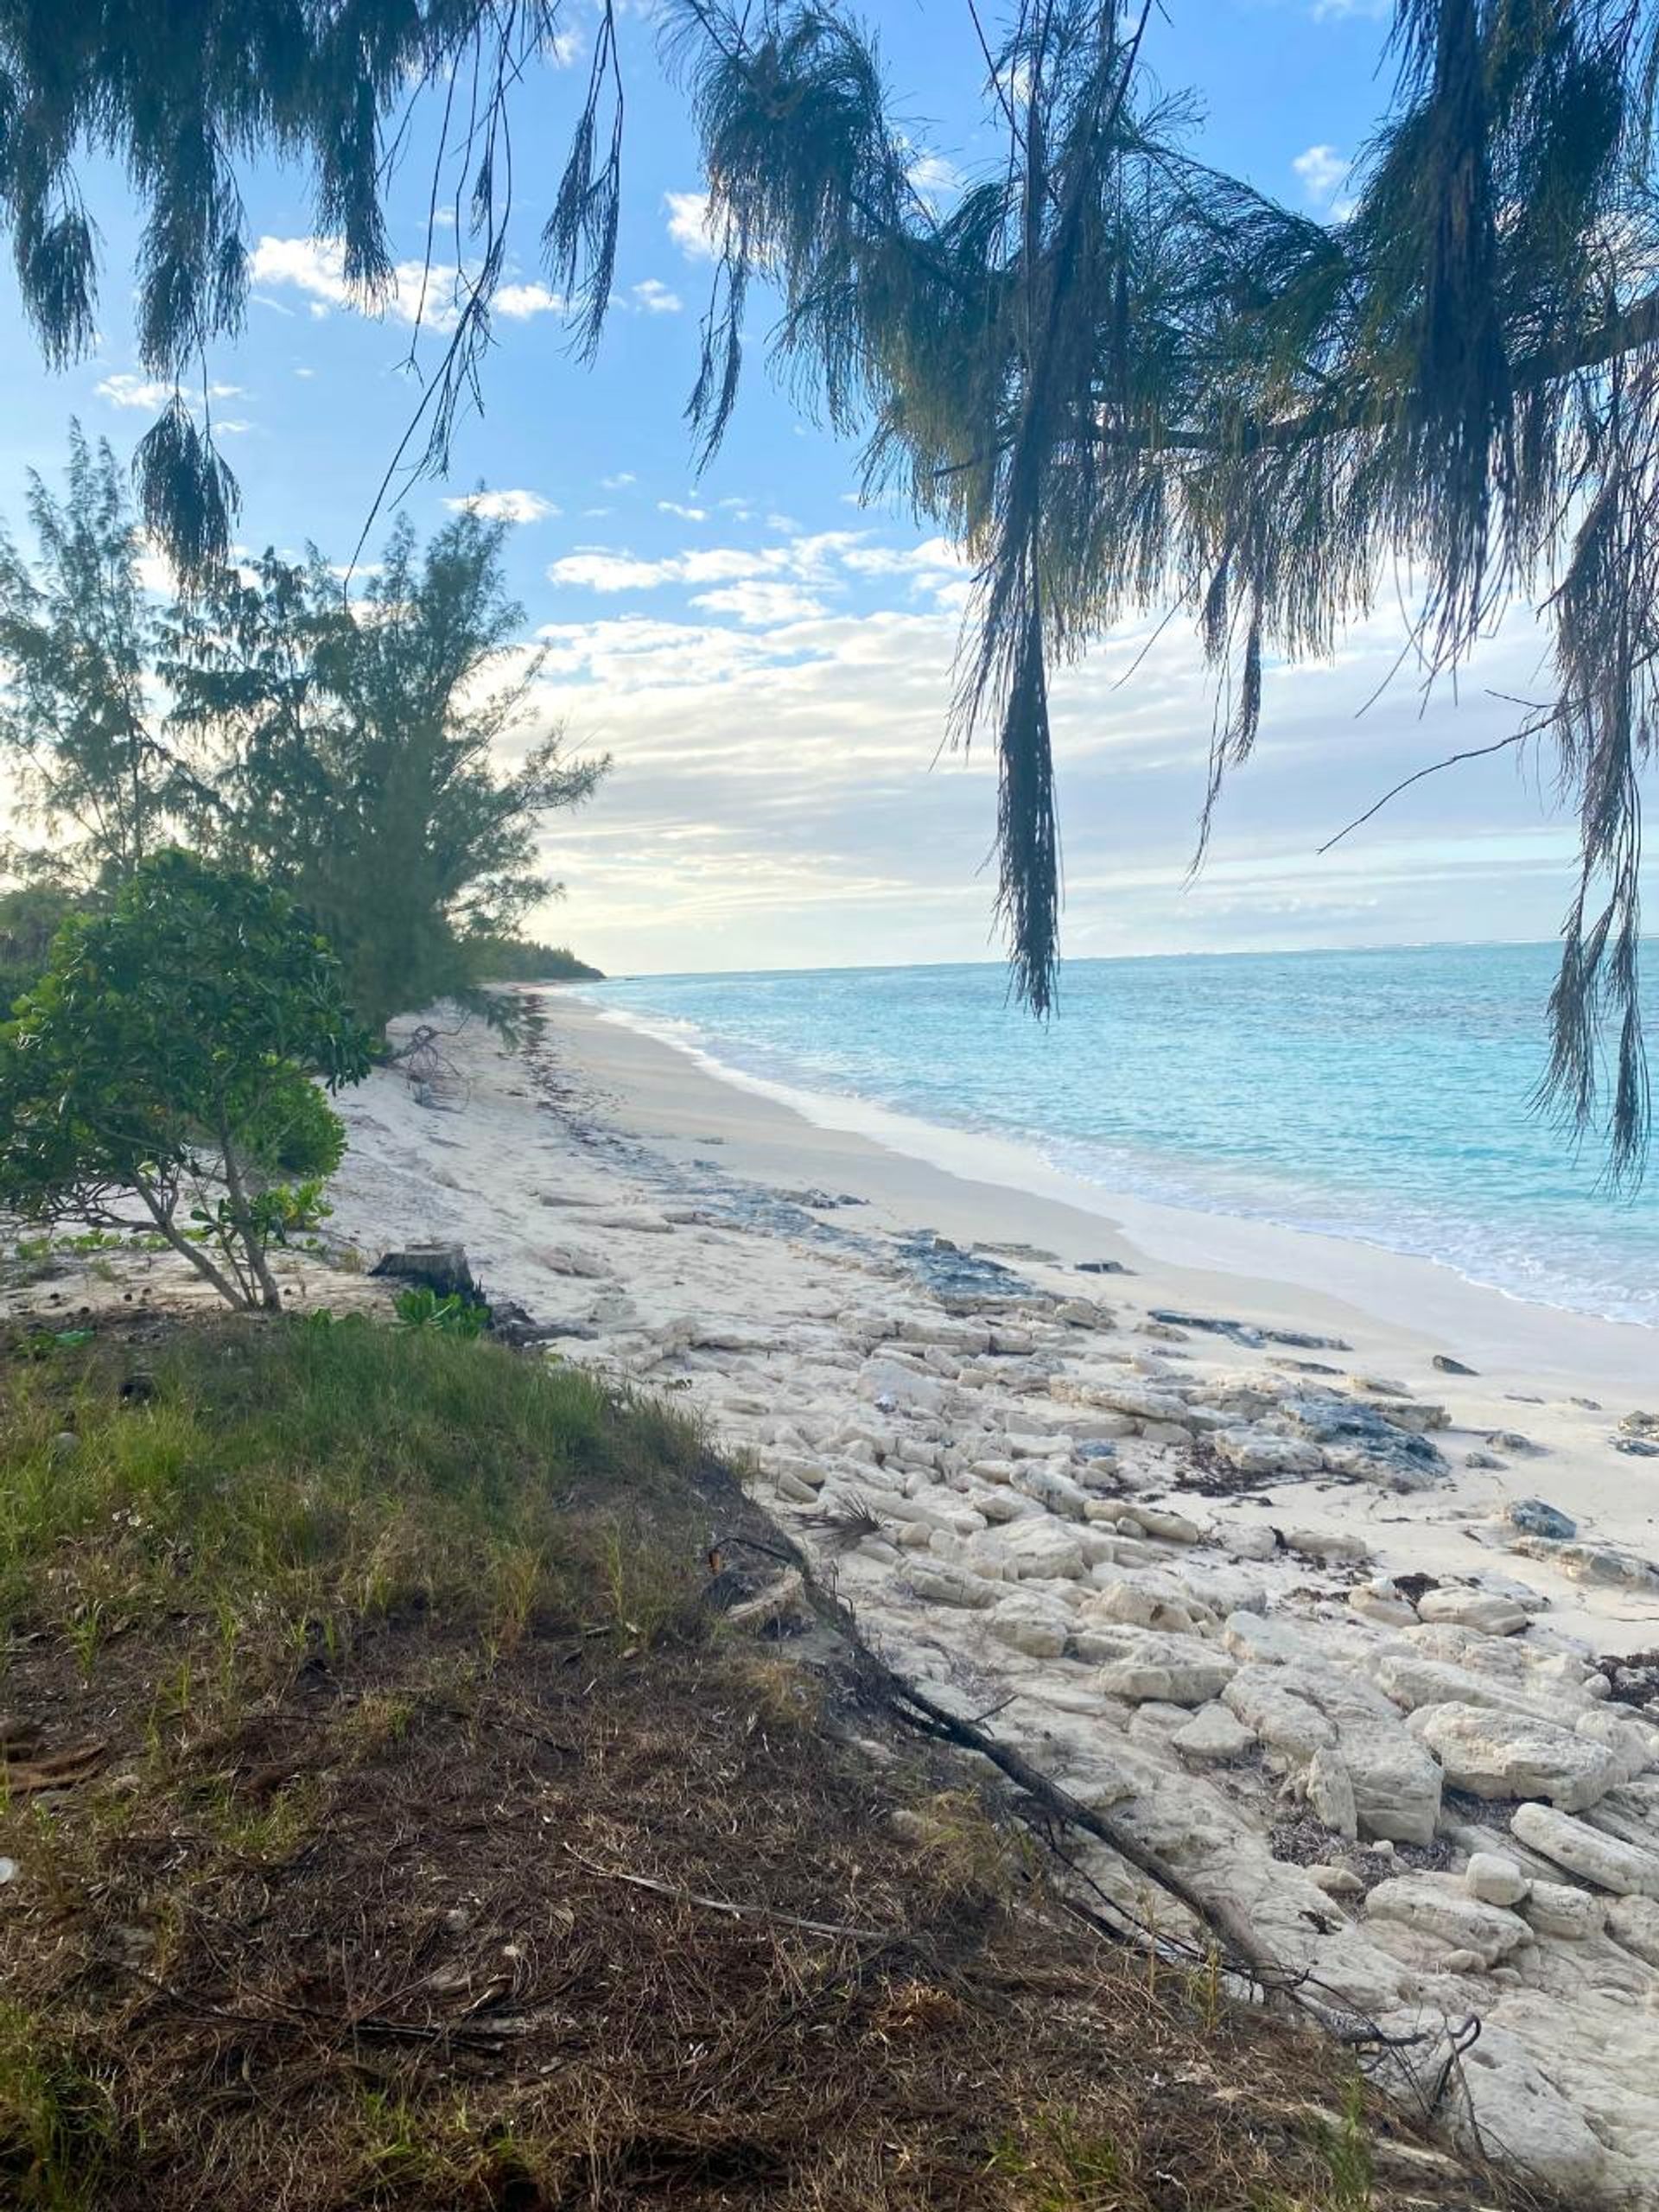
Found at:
[767, 662]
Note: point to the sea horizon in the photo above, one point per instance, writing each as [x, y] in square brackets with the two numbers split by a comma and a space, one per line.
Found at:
[1397, 1113]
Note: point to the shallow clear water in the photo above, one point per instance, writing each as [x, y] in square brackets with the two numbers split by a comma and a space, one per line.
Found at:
[1381, 1095]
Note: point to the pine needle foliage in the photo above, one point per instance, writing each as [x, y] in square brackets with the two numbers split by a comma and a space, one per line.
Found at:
[1127, 382]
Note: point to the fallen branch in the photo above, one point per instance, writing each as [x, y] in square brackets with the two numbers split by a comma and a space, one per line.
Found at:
[726, 1906]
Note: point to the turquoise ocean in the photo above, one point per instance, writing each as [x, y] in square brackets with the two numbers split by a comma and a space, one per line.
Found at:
[1381, 1095]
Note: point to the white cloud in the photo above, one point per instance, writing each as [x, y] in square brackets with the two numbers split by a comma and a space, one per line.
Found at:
[415, 292]
[762, 605]
[776, 794]
[652, 296]
[520, 301]
[609, 572]
[618, 483]
[227, 430]
[689, 224]
[823, 558]
[936, 179]
[503, 506]
[125, 389]
[685, 514]
[565, 49]
[1322, 172]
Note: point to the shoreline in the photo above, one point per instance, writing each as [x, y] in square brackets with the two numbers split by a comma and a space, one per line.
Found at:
[1390, 1281]
[1222, 1551]
[1275, 1269]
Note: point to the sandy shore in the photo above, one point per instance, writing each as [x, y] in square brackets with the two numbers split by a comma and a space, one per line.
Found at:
[1536, 1365]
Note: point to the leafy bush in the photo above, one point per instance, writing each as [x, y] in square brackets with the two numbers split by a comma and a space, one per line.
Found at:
[453, 1316]
[164, 1060]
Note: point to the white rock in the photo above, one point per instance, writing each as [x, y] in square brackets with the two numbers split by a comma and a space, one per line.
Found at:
[1166, 1526]
[1038, 1626]
[1412, 1681]
[1476, 1609]
[1632, 1741]
[1262, 1699]
[1251, 1540]
[1497, 1755]
[1381, 1602]
[1494, 1878]
[1140, 1603]
[1396, 1784]
[1176, 1669]
[1034, 1549]
[1634, 1921]
[1335, 1881]
[1557, 1909]
[1261, 1452]
[1051, 1487]
[1585, 1851]
[1330, 1792]
[1503, 2106]
[1329, 1546]
[905, 1386]
[1269, 1639]
[1438, 1906]
[1212, 1733]
[942, 1585]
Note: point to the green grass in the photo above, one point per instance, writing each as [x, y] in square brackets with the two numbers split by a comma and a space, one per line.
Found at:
[298, 1477]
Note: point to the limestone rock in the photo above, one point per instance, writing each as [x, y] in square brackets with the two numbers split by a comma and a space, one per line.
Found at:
[1507, 2108]
[1264, 1699]
[1557, 1909]
[1478, 1608]
[1438, 1905]
[1330, 1792]
[942, 1585]
[1264, 1451]
[1381, 1601]
[1634, 1921]
[1271, 1640]
[1585, 1851]
[1038, 1626]
[1495, 1879]
[1177, 1669]
[1212, 1733]
[1034, 1549]
[1396, 1782]
[1499, 1754]
[1330, 1547]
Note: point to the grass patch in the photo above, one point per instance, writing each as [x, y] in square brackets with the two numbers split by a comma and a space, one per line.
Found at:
[301, 1476]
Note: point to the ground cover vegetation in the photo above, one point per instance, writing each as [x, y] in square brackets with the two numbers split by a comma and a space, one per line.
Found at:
[395, 1818]
[1127, 381]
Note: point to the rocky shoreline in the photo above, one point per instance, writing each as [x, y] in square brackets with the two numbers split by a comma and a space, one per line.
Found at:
[1050, 1502]
[1137, 1543]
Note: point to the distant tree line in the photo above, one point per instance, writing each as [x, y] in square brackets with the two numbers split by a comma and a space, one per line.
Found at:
[342, 748]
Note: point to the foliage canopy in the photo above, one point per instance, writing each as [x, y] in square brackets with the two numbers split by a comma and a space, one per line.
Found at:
[166, 1055]
[344, 747]
[1129, 382]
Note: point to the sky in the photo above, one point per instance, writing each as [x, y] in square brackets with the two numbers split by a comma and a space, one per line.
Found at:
[768, 662]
